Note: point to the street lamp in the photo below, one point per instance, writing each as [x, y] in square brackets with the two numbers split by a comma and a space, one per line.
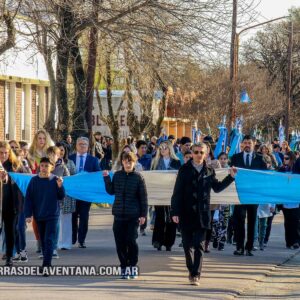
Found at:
[235, 65]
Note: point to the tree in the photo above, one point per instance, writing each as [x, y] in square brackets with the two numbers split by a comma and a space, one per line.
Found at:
[8, 35]
[169, 29]
[268, 50]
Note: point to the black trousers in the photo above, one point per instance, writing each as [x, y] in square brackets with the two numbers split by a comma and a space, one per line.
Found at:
[269, 227]
[239, 217]
[9, 222]
[193, 245]
[82, 212]
[164, 232]
[291, 223]
[126, 233]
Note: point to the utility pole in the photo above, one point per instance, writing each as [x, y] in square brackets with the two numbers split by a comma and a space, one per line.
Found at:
[289, 80]
[234, 58]
[233, 64]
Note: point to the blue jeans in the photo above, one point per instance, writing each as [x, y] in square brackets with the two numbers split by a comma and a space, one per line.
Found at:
[47, 232]
[55, 242]
[262, 229]
[20, 238]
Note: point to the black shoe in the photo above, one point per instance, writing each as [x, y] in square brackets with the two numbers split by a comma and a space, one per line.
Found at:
[142, 232]
[249, 253]
[9, 262]
[238, 252]
[215, 244]
[206, 247]
[64, 249]
[159, 248]
[156, 245]
[168, 249]
[221, 247]
[81, 245]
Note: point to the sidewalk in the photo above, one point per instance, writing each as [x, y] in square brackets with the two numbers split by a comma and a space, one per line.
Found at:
[283, 282]
[163, 274]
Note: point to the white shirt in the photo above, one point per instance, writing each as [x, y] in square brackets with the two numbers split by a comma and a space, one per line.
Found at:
[167, 162]
[78, 160]
[263, 210]
[250, 157]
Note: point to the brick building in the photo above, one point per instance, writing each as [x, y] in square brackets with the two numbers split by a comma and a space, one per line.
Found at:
[24, 89]
[24, 104]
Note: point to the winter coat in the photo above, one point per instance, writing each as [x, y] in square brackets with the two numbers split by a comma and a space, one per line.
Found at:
[191, 195]
[130, 194]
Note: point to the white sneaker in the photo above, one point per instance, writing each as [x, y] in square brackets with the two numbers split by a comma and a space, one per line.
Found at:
[55, 255]
[24, 257]
[17, 257]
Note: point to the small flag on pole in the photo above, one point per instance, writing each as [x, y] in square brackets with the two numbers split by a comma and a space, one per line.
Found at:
[244, 98]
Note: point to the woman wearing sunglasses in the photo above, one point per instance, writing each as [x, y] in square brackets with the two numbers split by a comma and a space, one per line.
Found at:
[290, 210]
[164, 232]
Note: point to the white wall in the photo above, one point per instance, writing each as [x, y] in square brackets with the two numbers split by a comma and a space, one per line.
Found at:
[23, 60]
[117, 95]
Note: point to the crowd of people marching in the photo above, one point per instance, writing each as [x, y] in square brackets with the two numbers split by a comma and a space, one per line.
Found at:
[60, 224]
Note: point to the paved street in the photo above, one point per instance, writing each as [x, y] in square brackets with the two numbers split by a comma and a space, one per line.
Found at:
[274, 271]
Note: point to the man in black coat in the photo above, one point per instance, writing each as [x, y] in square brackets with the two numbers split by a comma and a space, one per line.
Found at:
[190, 206]
[247, 159]
[296, 169]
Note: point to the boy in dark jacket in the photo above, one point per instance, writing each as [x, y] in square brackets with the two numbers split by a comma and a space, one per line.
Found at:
[42, 202]
[129, 210]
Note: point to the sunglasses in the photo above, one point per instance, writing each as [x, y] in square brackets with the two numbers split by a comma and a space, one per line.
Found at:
[187, 145]
[163, 148]
[286, 158]
[198, 152]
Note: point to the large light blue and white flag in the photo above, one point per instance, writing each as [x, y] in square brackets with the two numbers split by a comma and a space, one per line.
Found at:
[250, 187]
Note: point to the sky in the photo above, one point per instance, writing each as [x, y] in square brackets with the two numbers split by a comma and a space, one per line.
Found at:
[268, 10]
[271, 9]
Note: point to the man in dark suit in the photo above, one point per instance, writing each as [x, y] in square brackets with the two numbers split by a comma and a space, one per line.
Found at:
[296, 169]
[247, 159]
[84, 163]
